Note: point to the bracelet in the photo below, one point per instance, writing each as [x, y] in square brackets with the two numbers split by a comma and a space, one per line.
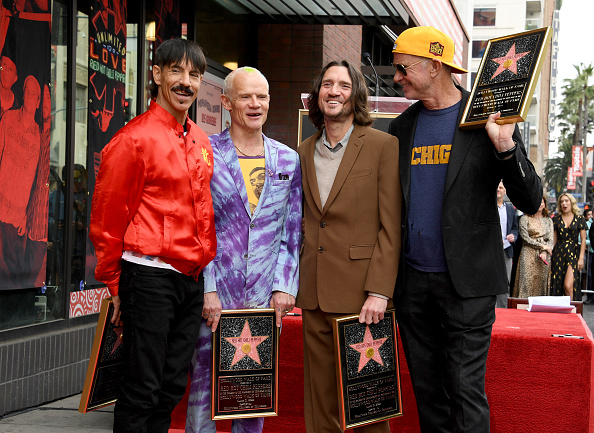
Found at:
[506, 153]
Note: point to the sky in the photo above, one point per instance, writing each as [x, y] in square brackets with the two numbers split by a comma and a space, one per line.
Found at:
[575, 30]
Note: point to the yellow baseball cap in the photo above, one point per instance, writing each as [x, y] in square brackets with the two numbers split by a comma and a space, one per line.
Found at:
[427, 41]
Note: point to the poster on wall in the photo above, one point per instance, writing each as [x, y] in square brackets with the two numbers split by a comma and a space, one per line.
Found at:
[25, 120]
[167, 24]
[208, 105]
[107, 80]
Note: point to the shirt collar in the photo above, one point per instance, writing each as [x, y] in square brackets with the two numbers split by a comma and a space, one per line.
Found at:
[342, 143]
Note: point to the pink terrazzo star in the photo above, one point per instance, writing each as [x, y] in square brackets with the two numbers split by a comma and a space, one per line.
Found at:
[509, 61]
[246, 345]
[369, 349]
[119, 332]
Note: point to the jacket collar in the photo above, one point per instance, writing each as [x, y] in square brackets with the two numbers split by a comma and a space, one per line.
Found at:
[165, 117]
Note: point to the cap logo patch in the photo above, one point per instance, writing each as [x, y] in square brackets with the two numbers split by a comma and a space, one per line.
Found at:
[436, 48]
[394, 47]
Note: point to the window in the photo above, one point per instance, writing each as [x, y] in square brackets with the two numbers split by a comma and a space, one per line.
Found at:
[33, 292]
[81, 104]
[484, 17]
[478, 49]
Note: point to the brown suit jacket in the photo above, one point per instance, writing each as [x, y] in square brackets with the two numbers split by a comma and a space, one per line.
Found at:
[352, 245]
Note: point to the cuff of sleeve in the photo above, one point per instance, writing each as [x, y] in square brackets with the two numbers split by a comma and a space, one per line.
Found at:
[378, 295]
[503, 155]
[290, 290]
[113, 290]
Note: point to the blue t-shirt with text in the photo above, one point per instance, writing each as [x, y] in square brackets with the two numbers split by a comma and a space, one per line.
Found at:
[429, 164]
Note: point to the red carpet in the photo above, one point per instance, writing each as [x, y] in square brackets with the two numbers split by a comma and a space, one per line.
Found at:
[535, 382]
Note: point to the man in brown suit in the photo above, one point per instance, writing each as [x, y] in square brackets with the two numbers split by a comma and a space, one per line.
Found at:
[352, 213]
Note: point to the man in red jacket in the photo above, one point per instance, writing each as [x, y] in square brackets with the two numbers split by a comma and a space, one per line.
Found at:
[152, 226]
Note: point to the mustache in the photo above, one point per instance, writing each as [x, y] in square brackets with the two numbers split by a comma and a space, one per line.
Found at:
[183, 89]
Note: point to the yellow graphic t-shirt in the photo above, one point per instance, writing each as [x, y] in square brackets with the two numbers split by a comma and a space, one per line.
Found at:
[254, 173]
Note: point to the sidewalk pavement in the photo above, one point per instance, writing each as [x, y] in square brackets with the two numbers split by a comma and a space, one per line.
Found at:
[61, 416]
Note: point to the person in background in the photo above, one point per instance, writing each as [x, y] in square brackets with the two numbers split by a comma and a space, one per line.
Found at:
[509, 233]
[56, 219]
[256, 192]
[568, 254]
[586, 272]
[534, 263]
[152, 225]
[453, 266]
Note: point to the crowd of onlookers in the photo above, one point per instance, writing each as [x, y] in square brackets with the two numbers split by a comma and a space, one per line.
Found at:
[552, 251]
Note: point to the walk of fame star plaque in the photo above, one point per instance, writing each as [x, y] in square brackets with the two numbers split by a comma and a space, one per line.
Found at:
[106, 365]
[245, 364]
[367, 370]
[506, 78]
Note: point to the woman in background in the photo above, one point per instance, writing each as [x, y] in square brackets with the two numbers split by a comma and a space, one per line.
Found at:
[536, 231]
[568, 255]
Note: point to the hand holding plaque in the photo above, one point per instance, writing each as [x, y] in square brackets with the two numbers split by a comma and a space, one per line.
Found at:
[506, 78]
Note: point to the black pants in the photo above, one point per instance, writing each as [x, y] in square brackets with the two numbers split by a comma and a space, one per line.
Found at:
[446, 340]
[161, 311]
[589, 285]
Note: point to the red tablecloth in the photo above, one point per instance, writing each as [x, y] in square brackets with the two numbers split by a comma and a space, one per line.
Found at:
[535, 382]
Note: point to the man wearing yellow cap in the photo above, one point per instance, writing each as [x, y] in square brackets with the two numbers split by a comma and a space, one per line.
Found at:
[452, 267]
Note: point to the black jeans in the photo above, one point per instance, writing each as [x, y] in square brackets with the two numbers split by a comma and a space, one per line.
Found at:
[161, 311]
[446, 340]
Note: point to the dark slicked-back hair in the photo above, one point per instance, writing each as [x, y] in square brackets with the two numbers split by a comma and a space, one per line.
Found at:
[176, 51]
[358, 96]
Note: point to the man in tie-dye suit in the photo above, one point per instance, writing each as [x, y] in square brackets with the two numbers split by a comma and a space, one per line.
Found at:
[256, 191]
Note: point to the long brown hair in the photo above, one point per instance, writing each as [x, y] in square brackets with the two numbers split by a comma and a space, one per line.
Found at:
[358, 96]
[545, 210]
[574, 207]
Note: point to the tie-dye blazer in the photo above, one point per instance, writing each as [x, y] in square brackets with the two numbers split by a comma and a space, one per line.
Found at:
[256, 254]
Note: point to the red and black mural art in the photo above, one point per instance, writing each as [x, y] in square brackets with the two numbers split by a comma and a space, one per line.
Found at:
[107, 80]
[25, 120]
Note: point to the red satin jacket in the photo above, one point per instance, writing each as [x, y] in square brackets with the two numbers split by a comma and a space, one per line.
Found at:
[152, 196]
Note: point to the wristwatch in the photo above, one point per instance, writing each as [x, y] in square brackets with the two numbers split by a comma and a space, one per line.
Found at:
[506, 153]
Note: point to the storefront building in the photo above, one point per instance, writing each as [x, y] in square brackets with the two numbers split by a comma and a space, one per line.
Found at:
[73, 72]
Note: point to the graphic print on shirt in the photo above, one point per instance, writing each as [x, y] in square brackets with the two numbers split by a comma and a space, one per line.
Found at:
[254, 174]
[431, 155]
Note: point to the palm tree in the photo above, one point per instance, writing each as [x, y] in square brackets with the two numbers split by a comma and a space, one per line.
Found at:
[555, 172]
[577, 97]
[576, 94]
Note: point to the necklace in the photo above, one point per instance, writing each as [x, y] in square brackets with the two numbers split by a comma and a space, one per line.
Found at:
[245, 154]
